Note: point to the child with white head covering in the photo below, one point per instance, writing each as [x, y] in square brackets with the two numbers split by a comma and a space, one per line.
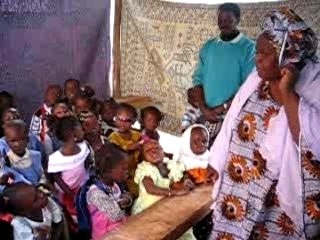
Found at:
[194, 152]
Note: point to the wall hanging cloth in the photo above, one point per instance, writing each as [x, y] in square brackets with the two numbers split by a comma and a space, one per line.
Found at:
[160, 43]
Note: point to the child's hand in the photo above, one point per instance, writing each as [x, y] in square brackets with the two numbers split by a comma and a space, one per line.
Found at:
[212, 175]
[180, 192]
[188, 184]
[7, 178]
[134, 147]
[125, 201]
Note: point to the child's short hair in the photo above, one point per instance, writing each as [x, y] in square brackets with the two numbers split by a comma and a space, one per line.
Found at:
[65, 126]
[76, 81]
[108, 157]
[129, 108]
[86, 92]
[17, 124]
[151, 110]
[11, 196]
[54, 86]
[6, 96]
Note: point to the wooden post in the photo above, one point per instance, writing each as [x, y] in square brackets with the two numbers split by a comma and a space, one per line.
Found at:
[116, 49]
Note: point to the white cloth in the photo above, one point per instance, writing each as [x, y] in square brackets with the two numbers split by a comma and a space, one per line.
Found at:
[185, 154]
[19, 162]
[59, 163]
[281, 152]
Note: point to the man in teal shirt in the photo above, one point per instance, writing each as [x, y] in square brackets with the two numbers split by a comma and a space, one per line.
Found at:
[224, 64]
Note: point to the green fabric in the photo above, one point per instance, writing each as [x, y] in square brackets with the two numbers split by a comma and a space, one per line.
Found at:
[223, 67]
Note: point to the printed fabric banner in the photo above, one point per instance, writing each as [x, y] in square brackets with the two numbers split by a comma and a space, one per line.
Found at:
[45, 42]
[160, 43]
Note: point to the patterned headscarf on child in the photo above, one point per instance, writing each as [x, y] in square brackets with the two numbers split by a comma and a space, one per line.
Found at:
[300, 40]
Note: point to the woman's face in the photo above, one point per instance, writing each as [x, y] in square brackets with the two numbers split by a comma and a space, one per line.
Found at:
[227, 22]
[152, 152]
[199, 141]
[267, 59]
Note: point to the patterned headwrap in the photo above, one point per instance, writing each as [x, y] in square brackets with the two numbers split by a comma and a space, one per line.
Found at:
[293, 39]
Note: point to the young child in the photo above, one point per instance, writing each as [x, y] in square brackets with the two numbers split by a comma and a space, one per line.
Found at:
[26, 162]
[192, 113]
[38, 124]
[68, 164]
[6, 101]
[128, 139]
[150, 120]
[92, 131]
[194, 152]
[59, 111]
[33, 142]
[107, 114]
[84, 101]
[101, 203]
[71, 89]
[35, 216]
[155, 176]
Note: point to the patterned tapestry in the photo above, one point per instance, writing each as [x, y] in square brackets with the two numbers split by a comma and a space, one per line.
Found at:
[47, 41]
[160, 43]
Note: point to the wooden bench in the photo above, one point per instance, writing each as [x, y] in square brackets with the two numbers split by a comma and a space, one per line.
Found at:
[168, 219]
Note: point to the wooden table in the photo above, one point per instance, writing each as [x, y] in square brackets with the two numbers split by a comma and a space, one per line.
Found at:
[168, 219]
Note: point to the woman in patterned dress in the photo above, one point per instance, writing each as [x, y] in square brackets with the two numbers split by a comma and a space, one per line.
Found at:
[267, 153]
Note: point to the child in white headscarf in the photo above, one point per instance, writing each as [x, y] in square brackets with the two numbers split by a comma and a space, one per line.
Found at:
[194, 152]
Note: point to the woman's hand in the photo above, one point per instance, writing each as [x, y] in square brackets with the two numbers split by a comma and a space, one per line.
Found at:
[289, 77]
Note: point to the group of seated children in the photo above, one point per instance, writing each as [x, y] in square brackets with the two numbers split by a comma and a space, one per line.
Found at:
[80, 170]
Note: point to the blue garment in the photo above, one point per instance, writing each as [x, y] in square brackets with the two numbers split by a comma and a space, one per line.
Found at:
[33, 144]
[17, 176]
[223, 67]
[34, 172]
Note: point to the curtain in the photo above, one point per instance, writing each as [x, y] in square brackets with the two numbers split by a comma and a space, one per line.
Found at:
[45, 42]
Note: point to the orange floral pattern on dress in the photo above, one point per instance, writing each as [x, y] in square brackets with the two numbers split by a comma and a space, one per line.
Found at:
[312, 166]
[247, 128]
[285, 224]
[259, 232]
[269, 113]
[272, 198]
[258, 165]
[313, 206]
[238, 169]
[224, 236]
[232, 208]
[264, 90]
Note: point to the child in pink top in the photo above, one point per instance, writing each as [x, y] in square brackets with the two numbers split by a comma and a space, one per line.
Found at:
[106, 200]
[68, 164]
